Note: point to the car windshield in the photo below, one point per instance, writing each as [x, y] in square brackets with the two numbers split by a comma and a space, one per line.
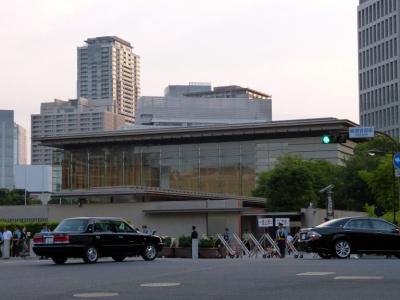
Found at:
[333, 223]
[72, 225]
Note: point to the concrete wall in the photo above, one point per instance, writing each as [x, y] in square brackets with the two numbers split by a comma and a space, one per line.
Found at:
[314, 216]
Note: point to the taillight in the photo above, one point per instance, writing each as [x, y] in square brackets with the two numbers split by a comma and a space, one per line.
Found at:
[61, 239]
[38, 239]
[312, 235]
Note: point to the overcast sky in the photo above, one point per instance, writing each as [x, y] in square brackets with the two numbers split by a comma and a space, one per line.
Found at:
[302, 52]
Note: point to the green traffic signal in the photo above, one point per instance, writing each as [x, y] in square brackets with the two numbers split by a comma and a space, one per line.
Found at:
[326, 139]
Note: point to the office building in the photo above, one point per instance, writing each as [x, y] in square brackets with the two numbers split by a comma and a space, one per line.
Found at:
[199, 104]
[378, 64]
[12, 148]
[172, 177]
[109, 73]
[68, 117]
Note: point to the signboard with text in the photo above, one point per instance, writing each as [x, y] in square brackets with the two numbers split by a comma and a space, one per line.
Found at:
[361, 132]
[266, 222]
[284, 221]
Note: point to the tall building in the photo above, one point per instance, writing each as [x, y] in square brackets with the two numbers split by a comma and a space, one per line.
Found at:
[19, 145]
[378, 64]
[199, 104]
[12, 148]
[66, 117]
[109, 73]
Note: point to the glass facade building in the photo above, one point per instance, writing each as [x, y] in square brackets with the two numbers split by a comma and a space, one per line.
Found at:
[227, 168]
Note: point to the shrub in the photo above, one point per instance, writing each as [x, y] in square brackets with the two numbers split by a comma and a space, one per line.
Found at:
[32, 227]
[167, 241]
[207, 242]
[185, 241]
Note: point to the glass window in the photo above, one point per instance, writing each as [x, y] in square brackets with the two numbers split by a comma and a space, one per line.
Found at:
[359, 224]
[102, 226]
[382, 225]
[121, 226]
[72, 225]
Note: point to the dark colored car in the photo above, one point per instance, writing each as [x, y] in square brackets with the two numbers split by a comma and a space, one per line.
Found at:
[91, 238]
[342, 237]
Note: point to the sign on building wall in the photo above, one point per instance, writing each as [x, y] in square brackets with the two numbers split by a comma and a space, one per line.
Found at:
[284, 221]
[266, 222]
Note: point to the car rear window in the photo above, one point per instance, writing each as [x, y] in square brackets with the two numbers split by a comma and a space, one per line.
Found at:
[333, 223]
[72, 225]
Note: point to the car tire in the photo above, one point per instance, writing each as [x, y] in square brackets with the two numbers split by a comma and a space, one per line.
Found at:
[91, 255]
[150, 252]
[118, 258]
[59, 260]
[342, 249]
[325, 255]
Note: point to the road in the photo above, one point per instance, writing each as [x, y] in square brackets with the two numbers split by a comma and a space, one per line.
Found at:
[202, 279]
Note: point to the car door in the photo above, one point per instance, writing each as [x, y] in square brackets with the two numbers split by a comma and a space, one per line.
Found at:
[388, 236]
[360, 234]
[123, 238]
[132, 241]
[105, 237]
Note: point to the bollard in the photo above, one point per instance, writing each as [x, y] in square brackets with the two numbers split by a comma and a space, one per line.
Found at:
[6, 249]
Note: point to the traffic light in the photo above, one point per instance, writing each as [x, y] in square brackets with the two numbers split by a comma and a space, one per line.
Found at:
[336, 138]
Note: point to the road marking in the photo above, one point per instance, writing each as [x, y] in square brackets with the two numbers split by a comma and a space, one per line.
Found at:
[315, 273]
[359, 277]
[95, 295]
[160, 284]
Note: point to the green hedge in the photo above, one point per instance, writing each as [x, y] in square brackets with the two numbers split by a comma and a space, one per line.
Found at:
[32, 227]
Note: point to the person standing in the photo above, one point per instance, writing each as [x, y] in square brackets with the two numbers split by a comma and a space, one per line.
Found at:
[195, 243]
[246, 239]
[16, 245]
[281, 235]
[7, 238]
[1, 242]
[145, 230]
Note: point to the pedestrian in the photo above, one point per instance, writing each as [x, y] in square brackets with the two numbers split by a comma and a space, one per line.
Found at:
[281, 235]
[195, 243]
[289, 240]
[145, 230]
[1, 242]
[227, 236]
[7, 239]
[45, 229]
[16, 244]
[246, 238]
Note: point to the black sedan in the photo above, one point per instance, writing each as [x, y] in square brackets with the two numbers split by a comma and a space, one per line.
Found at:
[342, 237]
[91, 238]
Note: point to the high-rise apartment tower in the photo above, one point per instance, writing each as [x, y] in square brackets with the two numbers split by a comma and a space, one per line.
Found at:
[109, 73]
[378, 64]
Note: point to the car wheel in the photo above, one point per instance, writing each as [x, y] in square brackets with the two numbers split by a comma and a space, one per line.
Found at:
[118, 257]
[59, 260]
[91, 255]
[325, 255]
[342, 249]
[150, 252]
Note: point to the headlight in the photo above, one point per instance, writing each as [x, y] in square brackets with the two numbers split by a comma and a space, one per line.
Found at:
[313, 235]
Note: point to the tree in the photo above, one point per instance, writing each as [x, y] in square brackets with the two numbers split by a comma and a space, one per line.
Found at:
[289, 186]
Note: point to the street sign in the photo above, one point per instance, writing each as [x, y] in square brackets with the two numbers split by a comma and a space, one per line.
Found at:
[284, 221]
[361, 132]
[396, 160]
[266, 222]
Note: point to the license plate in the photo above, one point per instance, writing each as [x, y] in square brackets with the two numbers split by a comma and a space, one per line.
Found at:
[303, 236]
[49, 240]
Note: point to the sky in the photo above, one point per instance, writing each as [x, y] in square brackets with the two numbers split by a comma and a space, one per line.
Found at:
[302, 52]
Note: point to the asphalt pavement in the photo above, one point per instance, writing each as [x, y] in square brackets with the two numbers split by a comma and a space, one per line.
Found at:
[244, 278]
